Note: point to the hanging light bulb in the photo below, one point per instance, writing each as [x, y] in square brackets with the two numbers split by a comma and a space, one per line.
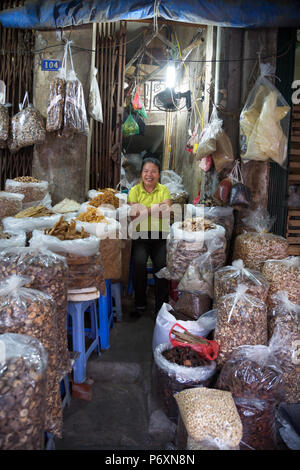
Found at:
[170, 76]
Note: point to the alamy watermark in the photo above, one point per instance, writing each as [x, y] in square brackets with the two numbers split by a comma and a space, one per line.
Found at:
[296, 93]
[2, 353]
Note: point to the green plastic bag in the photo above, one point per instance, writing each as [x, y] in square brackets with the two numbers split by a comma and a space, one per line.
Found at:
[130, 126]
[142, 112]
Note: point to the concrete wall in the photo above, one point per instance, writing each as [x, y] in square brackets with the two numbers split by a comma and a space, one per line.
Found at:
[61, 161]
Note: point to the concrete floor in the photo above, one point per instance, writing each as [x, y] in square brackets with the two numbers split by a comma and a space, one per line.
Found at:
[124, 413]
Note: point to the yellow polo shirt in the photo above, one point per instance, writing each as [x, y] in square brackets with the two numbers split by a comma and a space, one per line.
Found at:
[139, 195]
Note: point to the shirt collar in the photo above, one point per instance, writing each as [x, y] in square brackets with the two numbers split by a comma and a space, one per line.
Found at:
[146, 192]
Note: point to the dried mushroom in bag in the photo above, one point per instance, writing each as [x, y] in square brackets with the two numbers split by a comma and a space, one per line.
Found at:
[34, 313]
[22, 393]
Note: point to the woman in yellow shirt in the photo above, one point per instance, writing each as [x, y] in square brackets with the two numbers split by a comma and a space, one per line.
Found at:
[150, 213]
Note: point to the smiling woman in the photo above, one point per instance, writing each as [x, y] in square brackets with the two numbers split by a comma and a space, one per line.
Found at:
[150, 213]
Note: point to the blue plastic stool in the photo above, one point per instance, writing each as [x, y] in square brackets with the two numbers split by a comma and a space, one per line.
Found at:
[76, 311]
[116, 293]
[65, 391]
[106, 316]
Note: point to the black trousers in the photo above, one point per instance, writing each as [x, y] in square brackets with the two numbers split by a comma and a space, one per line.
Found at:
[141, 250]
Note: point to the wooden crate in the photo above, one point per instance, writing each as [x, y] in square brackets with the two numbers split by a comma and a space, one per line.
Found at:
[293, 231]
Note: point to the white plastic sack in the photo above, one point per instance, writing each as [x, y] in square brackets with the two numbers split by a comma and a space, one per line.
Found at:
[80, 247]
[165, 320]
[17, 239]
[109, 229]
[28, 224]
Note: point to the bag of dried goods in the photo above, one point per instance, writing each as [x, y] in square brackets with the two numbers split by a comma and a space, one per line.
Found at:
[209, 135]
[241, 319]
[264, 121]
[95, 104]
[284, 275]
[187, 241]
[4, 116]
[47, 272]
[12, 239]
[285, 341]
[218, 214]
[223, 155]
[56, 99]
[165, 320]
[240, 195]
[253, 375]
[223, 190]
[32, 188]
[254, 248]
[177, 369]
[10, 204]
[95, 223]
[34, 313]
[75, 116]
[27, 127]
[66, 206]
[226, 280]
[210, 417]
[80, 249]
[23, 378]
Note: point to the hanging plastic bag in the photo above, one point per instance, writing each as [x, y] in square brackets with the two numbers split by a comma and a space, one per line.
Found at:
[4, 116]
[223, 190]
[57, 95]
[130, 126]
[95, 104]
[223, 155]
[206, 163]
[75, 116]
[193, 140]
[136, 101]
[208, 137]
[240, 195]
[264, 121]
[27, 127]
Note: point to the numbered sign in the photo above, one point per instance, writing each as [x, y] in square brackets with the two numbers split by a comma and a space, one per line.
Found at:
[51, 65]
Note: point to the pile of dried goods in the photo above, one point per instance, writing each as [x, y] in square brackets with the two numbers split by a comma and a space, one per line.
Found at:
[92, 215]
[10, 204]
[107, 198]
[184, 356]
[36, 211]
[64, 230]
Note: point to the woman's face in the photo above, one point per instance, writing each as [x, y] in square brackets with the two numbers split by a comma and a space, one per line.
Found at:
[150, 174]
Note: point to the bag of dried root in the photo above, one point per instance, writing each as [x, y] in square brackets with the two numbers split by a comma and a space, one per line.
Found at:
[27, 127]
[253, 374]
[75, 116]
[254, 248]
[209, 135]
[34, 313]
[241, 319]
[184, 245]
[282, 275]
[171, 377]
[219, 215]
[56, 99]
[48, 272]
[226, 280]
[32, 188]
[10, 204]
[210, 417]
[166, 319]
[23, 377]
[4, 116]
[285, 341]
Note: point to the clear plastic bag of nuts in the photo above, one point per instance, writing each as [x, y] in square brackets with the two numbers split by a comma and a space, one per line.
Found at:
[253, 374]
[254, 248]
[27, 127]
[56, 99]
[210, 415]
[285, 340]
[23, 375]
[48, 272]
[282, 275]
[10, 204]
[32, 188]
[32, 312]
[227, 278]
[241, 319]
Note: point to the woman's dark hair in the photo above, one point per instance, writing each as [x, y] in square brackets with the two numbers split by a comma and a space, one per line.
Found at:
[155, 161]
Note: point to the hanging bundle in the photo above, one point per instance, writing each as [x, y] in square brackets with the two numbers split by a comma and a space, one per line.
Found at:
[130, 126]
[56, 100]
[95, 104]
[4, 116]
[240, 194]
[75, 117]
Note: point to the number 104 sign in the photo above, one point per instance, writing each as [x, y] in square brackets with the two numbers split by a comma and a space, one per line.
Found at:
[51, 65]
